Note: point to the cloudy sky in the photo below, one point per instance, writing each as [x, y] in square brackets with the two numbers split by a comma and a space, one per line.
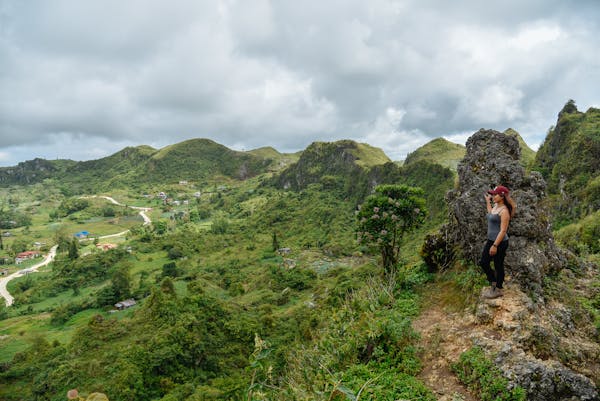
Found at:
[81, 79]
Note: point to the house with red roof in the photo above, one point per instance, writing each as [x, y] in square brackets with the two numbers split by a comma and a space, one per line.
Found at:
[22, 256]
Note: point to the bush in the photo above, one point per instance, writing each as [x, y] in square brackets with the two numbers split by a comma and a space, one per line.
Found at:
[436, 252]
[482, 376]
[377, 382]
[169, 269]
[583, 237]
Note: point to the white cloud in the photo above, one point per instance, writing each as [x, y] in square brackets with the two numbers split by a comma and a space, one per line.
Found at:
[392, 73]
[386, 133]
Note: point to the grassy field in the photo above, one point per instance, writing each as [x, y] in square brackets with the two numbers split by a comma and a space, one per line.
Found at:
[17, 333]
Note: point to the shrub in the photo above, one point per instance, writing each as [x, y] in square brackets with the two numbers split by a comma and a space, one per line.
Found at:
[582, 237]
[482, 376]
[436, 252]
[377, 382]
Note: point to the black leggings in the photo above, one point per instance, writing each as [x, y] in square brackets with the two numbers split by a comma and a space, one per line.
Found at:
[496, 276]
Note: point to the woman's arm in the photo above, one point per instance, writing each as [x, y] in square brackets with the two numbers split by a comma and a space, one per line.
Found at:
[488, 202]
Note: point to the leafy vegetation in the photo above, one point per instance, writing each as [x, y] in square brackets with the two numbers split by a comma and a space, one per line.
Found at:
[387, 216]
[568, 160]
[480, 375]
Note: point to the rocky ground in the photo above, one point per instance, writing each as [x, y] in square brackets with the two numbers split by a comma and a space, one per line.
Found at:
[537, 346]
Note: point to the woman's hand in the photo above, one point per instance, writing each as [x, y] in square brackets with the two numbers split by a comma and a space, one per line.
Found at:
[493, 250]
[487, 197]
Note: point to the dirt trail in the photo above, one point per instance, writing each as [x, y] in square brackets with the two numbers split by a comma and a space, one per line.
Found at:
[444, 336]
[446, 333]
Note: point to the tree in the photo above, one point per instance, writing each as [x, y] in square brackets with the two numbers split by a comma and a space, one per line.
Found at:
[61, 238]
[160, 227]
[169, 269]
[121, 283]
[275, 242]
[386, 216]
[74, 249]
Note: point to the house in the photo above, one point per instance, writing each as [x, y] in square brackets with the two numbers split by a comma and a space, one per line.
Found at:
[183, 182]
[128, 303]
[162, 195]
[82, 234]
[7, 234]
[106, 247]
[38, 245]
[197, 194]
[284, 251]
[26, 255]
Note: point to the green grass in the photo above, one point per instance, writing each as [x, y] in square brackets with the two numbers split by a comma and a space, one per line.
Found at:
[439, 151]
[368, 155]
[18, 332]
[476, 371]
[49, 303]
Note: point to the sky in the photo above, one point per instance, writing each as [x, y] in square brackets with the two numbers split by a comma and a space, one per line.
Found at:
[82, 79]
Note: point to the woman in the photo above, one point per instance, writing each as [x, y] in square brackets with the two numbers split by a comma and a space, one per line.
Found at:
[498, 218]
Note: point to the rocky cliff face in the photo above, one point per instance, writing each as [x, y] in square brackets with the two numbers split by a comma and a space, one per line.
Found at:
[492, 159]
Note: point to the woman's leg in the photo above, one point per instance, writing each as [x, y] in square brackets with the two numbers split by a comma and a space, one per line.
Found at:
[499, 263]
[485, 260]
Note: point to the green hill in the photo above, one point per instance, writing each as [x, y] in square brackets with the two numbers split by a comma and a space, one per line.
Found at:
[278, 160]
[342, 164]
[527, 154]
[193, 160]
[200, 159]
[440, 151]
[117, 169]
[569, 160]
[266, 152]
[33, 171]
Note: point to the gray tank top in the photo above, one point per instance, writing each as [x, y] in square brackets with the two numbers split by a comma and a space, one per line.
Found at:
[494, 227]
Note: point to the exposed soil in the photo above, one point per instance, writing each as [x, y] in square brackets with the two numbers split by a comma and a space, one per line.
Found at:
[446, 333]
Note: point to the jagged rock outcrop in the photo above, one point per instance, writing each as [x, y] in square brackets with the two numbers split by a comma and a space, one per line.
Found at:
[531, 345]
[493, 158]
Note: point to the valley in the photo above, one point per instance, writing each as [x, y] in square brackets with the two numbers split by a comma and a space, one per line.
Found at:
[250, 282]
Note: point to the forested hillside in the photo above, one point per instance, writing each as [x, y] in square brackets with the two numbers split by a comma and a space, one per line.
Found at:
[569, 160]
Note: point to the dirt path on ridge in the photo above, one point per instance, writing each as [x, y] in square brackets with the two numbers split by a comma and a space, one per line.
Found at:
[444, 336]
[448, 330]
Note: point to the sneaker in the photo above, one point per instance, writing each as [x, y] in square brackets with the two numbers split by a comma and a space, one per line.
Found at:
[493, 293]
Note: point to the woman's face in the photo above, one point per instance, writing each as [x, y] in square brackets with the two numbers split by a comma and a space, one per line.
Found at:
[497, 198]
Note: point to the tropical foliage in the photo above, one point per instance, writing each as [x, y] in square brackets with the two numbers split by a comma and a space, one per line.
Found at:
[387, 216]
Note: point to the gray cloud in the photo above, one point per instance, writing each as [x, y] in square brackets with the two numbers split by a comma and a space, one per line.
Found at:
[100, 75]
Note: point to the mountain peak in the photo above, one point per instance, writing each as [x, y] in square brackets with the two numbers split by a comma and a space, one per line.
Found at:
[440, 151]
[341, 158]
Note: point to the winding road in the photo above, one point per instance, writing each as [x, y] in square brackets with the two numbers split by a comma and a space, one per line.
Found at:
[4, 280]
[52, 254]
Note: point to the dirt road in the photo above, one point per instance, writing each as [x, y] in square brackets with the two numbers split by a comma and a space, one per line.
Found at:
[4, 281]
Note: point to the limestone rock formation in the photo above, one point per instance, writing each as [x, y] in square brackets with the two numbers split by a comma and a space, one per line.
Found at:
[492, 159]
